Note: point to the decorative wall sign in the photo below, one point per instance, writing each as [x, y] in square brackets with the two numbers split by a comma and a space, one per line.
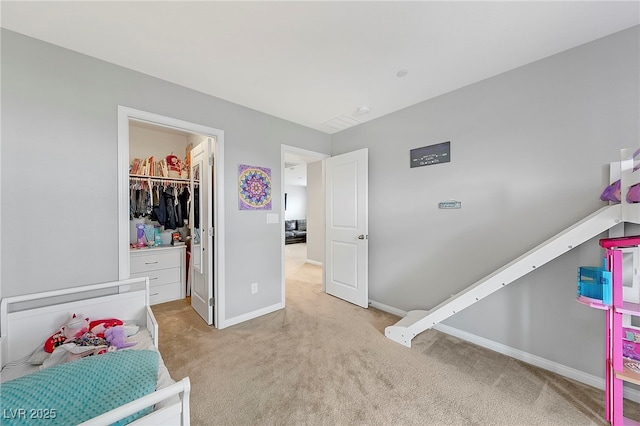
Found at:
[254, 188]
[432, 154]
[450, 204]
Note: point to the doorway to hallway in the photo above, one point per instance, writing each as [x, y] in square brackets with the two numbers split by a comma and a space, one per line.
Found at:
[303, 186]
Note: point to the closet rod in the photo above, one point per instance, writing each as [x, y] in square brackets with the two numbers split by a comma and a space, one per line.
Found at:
[158, 178]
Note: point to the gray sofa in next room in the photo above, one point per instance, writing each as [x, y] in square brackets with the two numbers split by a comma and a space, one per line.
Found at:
[295, 231]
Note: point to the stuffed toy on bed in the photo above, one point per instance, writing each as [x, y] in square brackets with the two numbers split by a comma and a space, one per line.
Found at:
[86, 343]
[76, 327]
[98, 327]
[117, 337]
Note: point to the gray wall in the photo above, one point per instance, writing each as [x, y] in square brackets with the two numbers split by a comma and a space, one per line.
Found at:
[296, 202]
[315, 211]
[528, 150]
[59, 171]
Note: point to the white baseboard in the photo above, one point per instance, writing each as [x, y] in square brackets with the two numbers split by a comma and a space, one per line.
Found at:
[251, 315]
[313, 262]
[387, 308]
[563, 370]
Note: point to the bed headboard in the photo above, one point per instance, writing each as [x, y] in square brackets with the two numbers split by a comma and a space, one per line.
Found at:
[27, 321]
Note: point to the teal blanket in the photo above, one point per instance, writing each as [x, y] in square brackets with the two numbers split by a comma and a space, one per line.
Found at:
[71, 393]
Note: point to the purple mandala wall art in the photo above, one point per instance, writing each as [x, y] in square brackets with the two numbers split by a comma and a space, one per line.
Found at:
[254, 188]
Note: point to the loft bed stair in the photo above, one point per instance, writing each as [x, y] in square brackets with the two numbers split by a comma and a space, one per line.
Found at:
[417, 321]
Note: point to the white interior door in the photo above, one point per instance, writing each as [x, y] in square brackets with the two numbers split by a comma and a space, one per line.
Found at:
[347, 245]
[202, 233]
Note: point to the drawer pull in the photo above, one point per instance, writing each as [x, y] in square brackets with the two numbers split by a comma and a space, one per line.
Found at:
[154, 294]
[154, 278]
[150, 263]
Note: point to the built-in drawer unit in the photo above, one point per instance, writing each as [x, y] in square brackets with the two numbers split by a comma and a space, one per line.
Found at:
[165, 267]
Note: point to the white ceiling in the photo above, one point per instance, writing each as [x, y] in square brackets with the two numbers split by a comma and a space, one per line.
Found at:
[295, 168]
[313, 62]
[295, 173]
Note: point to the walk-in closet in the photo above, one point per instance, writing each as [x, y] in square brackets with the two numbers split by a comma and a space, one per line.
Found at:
[160, 208]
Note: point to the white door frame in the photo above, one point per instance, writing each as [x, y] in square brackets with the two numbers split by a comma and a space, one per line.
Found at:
[125, 114]
[288, 149]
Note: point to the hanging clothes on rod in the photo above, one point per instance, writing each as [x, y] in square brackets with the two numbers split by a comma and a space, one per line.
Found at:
[140, 202]
[166, 211]
[162, 199]
[183, 199]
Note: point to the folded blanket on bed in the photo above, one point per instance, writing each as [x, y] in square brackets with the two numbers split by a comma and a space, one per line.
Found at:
[70, 393]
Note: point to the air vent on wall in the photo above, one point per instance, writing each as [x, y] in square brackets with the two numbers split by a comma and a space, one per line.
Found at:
[289, 165]
[342, 122]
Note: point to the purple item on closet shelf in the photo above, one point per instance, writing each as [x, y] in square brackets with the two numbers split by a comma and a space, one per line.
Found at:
[141, 239]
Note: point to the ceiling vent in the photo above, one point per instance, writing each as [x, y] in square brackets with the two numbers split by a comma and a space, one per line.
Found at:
[342, 122]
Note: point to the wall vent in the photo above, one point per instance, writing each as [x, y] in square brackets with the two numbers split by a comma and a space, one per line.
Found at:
[342, 122]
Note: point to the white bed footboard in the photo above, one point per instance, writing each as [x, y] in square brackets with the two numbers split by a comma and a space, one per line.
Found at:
[176, 414]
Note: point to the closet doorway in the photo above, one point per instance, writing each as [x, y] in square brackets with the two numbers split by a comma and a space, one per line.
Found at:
[143, 135]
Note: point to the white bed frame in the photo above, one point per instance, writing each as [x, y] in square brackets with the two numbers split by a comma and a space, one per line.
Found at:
[27, 321]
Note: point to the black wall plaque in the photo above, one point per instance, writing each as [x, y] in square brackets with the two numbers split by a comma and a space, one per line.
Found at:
[432, 154]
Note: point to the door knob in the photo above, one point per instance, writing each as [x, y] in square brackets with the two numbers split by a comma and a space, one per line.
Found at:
[361, 237]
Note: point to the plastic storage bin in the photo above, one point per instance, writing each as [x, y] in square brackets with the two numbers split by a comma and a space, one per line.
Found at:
[595, 283]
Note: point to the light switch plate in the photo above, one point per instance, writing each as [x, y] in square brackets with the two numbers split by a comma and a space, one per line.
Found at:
[272, 218]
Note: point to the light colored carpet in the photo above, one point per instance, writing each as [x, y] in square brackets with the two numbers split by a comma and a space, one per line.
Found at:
[323, 361]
